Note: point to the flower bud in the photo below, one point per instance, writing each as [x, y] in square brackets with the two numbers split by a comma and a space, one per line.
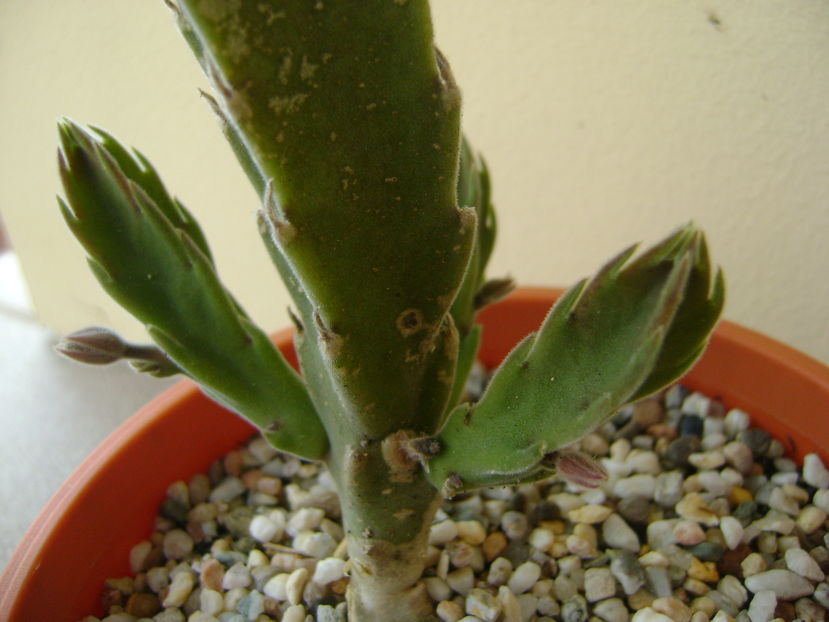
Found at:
[93, 345]
[579, 469]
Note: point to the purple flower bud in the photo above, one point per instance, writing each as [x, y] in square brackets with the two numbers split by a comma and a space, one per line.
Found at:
[93, 345]
[580, 469]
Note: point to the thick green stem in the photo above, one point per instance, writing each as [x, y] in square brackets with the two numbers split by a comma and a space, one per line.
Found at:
[388, 506]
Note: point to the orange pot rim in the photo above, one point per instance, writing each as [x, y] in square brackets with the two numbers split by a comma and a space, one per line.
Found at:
[524, 308]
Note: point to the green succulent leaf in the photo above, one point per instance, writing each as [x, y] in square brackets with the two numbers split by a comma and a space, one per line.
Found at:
[141, 248]
[474, 192]
[600, 344]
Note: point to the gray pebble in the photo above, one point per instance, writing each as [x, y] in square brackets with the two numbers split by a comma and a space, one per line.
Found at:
[628, 571]
[612, 610]
[762, 606]
[668, 490]
[708, 551]
[658, 581]
[734, 589]
[635, 509]
[723, 602]
[228, 490]
[821, 594]
[598, 584]
[574, 609]
[680, 449]
[757, 439]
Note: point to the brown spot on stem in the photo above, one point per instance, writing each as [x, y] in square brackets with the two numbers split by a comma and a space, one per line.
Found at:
[410, 322]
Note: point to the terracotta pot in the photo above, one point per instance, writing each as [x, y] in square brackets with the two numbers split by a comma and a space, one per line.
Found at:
[85, 532]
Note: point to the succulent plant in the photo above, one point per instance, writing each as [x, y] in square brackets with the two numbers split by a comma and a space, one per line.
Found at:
[377, 215]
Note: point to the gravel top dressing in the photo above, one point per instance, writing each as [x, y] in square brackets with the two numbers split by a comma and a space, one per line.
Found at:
[702, 518]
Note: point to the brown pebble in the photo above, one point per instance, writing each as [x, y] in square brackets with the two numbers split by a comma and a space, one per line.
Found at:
[493, 545]
[662, 430]
[269, 485]
[730, 562]
[647, 413]
[703, 571]
[785, 610]
[143, 605]
[212, 574]
[199, 487]
[251, 477]
[339, 586]
[233, 463]
[111, 597]
[141, 582]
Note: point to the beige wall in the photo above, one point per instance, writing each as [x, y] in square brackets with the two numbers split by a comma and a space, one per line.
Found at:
[604, 122]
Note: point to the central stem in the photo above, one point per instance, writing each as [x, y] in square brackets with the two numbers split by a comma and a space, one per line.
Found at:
[387, 506]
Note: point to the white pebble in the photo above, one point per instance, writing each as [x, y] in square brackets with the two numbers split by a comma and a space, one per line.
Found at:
[598, 584]
[180, 588]
[328, 570]
[443, 532]
[821, 499]
[211, 602]
[714, 483]
[471, 531]
[800, 562]
[589, 514]
[733, 589]
[696, 403]
[779, 500]
[483, 605]
[514, 524]
[461, 580]
[177, 544]
[449, 611]
[541, 539]
[620, 449]
[740, 456]
[641, 485]
[275, 587]
[712, 441]
[263, 529]
[611, 610]
[810, 518]
[304, 519]
[784, 583]
[295, 584]
[294, 613]
[736, 421]
[201, 616]
[707, 460]
[783, 478]
[732, 531]
[524, 577]
[815, 472]
[648, 614]
[688, 533]
[316, 544]
[237, 576]
[228, 490]
[510, 607]
[642, 461]
[618, 534]
[138, 555]
[438, 589]
[660, 533]
[762, 606]
[500, 570]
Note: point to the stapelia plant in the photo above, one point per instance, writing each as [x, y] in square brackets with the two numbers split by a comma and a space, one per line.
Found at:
[377, 215]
